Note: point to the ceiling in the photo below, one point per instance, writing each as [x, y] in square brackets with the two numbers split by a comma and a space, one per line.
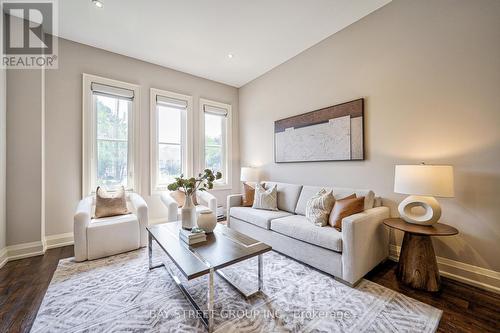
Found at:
[196, 36]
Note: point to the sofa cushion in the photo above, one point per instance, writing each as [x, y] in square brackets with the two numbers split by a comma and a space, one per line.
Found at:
[338, 192]
[288, 195]
[258, 217]
[297, 226]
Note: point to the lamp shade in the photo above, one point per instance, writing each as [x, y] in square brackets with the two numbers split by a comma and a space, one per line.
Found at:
[425, 180]
[249, 174]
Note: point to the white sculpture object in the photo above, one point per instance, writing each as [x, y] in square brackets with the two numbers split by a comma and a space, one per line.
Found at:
[207, 220]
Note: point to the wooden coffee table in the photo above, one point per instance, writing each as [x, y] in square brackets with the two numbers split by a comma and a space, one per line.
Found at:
[417, 266]
[222, 248]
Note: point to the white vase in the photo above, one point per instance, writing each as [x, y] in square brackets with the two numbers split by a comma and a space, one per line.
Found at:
[207, 220]
[188, 213]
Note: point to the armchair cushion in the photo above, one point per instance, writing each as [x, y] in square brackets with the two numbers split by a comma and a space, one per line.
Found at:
[112, 235]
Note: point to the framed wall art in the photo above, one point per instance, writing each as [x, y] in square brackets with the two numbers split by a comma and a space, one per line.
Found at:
[334, 133]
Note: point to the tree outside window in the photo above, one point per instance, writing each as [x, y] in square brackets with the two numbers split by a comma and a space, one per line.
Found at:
[112, 140]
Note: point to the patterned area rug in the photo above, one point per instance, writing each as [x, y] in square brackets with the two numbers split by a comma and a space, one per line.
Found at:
[120, 294]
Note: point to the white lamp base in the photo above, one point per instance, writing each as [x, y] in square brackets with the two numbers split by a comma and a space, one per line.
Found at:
[429, 204]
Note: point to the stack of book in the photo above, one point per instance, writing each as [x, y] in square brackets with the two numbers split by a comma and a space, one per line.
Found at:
[192, 237]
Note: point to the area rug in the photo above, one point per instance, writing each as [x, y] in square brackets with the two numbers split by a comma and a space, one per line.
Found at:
[120, 294]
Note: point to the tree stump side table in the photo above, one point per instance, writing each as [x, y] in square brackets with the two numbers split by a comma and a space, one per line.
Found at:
[417, 265]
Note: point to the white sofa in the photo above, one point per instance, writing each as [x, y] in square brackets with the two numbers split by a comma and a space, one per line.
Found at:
[205, 200]
[348, 255]
[101, 237]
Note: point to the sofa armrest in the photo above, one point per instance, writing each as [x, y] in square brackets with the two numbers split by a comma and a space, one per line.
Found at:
[365, 242]
[171, 204]
[141, 210]
[233, 200]
[81, 221]
[208, 199]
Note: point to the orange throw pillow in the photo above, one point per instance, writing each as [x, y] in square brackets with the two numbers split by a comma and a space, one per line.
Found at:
[249, 195]
[344, 208]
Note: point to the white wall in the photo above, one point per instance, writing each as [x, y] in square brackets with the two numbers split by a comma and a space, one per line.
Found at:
[430, 75]
[64, 122]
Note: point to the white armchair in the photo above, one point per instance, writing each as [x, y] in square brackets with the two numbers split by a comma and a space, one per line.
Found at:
[205, 200]
[101, 237]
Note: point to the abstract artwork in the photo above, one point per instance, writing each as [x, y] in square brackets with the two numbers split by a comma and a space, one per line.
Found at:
[334, 133]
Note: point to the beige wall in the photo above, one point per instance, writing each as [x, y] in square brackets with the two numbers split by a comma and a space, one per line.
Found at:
[430, 75]
[24, 156]
[64, 121]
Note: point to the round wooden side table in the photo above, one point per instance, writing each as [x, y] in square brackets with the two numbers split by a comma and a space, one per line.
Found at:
[417, 265]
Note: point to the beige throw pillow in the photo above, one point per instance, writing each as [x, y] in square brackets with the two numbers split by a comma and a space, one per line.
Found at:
[110, 204]
[344, 208]
[318, 208]
[263, 199]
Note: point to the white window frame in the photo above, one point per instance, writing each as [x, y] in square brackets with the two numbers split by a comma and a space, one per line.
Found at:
[226, 182]
[186, 136]
[89, 134]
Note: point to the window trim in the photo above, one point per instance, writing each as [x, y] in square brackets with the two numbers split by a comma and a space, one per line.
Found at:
[227, 185]
[187, 139]
[89, 134]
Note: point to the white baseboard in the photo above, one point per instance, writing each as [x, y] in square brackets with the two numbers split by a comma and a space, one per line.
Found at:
[3, 257]
[476, 276]
[25, 250]
[59, 240]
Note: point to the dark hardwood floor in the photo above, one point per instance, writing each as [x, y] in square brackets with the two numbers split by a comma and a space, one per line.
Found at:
[23, 284]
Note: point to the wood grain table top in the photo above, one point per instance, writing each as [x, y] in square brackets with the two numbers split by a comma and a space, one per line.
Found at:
[437, 229]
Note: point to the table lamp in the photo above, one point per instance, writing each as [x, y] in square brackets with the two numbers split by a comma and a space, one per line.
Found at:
[249, 176]
[423, 183]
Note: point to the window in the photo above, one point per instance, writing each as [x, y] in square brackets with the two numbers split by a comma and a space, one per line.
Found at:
[170, 137]
[216, 137]
[109, 135]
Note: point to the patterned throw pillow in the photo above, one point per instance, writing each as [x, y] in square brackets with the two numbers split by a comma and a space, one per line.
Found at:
[319, 207]
[265, 199]
[110, 204]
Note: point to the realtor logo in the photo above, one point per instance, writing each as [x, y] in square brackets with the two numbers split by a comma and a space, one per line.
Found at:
[28, 34]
